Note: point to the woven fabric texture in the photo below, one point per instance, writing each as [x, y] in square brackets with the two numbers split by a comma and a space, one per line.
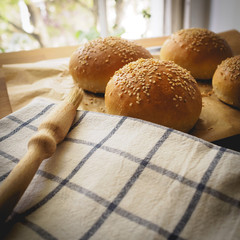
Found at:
[115, 177]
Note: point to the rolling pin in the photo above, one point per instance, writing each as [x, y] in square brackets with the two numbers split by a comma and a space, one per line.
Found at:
[41, 146]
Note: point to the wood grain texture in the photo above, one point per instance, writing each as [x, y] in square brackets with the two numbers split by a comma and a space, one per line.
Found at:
[5, 107]
[41, 146]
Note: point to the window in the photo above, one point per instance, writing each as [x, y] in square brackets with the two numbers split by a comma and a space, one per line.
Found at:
[28, 24]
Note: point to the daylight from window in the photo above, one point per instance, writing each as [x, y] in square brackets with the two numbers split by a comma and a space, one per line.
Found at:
[31, 24]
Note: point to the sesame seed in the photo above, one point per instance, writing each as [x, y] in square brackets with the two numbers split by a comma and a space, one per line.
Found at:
[197, 37]
[134, 80]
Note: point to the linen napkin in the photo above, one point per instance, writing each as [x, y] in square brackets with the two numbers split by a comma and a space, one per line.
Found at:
[115, 177]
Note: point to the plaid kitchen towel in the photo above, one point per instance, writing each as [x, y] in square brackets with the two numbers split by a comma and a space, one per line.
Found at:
[115, 177]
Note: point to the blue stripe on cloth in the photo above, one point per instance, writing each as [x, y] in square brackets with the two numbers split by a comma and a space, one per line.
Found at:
[196, 139]
[78, 121]
[160, 170]
[113, 205]
[9, 157]
[17, 120]
[105, 203]
[163, 171]
[15, 218]
[75, 170]
[100, 200]
[26, 123]
[189, 136]
[37, 229]
[196, 197]
[4, 176]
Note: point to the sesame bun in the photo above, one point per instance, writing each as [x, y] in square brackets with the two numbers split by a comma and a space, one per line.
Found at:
[93, 64]
[226, 81]
[154, 90]
[198, 50]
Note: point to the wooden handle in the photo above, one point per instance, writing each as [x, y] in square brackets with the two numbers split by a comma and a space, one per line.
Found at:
[41, 146]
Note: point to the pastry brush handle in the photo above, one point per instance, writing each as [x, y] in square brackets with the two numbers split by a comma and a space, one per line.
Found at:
[41, 146]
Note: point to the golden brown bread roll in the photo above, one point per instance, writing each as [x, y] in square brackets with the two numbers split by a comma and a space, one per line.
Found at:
[92, 64]
[196, 49]
[226, 81]
[158, 91]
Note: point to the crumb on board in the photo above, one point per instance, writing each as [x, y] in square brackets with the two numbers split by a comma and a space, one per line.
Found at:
[102, 109]
[207, 94]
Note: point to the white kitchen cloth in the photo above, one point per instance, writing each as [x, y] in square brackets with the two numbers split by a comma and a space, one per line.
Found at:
[115, 177]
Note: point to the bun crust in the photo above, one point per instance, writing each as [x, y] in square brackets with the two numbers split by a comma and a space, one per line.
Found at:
[226, 81]
[198, 50]
[93, 64]
[156, 91]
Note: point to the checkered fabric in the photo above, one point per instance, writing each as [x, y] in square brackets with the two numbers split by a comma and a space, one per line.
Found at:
[115, 177]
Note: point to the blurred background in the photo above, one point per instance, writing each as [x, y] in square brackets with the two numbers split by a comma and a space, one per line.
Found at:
[31, 24]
